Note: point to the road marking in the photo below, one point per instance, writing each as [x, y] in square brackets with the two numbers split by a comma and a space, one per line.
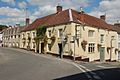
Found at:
[91, 72]
[104, 67]
[86, 73]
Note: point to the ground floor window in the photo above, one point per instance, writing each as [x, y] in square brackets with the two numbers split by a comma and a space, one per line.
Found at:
[49, 47]
[91, 47]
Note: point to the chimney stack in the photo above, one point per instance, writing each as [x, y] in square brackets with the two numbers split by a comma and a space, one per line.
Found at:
[117, 24]
[59, 9]
[103, 17]
[27, 21]
[81, 10]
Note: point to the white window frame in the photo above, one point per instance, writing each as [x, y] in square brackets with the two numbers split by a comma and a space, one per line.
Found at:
[91, 47]
[102, 38]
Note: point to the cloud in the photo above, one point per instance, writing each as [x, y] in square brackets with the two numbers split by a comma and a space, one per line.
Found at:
[110, 7]
[12, 2]
[14, 15]
[22, 5]
[44, 10]
[11, 12]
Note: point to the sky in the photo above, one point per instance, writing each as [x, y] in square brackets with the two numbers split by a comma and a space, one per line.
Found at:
[15, 11]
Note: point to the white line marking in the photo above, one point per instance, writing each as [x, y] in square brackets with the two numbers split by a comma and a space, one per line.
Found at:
[93, 73]
[104, 67]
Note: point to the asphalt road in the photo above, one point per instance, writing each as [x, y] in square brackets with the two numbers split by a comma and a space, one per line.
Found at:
[24, 65]
[18, 64]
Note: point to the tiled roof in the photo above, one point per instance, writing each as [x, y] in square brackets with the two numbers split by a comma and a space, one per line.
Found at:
[67, 16]
[117, 28]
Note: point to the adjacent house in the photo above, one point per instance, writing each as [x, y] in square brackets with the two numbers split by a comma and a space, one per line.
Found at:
[117, 28]
[73, 33]
[11, 36]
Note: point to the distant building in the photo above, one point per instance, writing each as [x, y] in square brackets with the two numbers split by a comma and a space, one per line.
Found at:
[74, 33]
[2, 27]
[11, 36]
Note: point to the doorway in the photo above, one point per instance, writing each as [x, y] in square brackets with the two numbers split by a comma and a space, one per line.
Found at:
[60, 50]
[102, 54]
[42, 47]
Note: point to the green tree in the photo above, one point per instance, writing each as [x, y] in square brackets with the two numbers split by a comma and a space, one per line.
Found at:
[40, 36]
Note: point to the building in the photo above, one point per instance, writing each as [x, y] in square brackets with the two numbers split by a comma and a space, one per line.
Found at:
[117, 28]
[11, 36]
[2, 27]
[0, 38]
[74, 33]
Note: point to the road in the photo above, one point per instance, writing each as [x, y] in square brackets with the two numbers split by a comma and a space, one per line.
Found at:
[18, 64]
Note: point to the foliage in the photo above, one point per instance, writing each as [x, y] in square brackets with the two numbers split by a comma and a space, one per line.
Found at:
[40, 35]
[83, 44]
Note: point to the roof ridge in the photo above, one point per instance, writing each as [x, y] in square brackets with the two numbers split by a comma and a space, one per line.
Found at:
[70, 15]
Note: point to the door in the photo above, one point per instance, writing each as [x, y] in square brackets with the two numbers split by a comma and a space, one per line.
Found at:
[42, 47]
[102, 54]
[60, 50]
[119, 55]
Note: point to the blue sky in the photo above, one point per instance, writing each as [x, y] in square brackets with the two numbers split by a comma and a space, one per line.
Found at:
[13, 11]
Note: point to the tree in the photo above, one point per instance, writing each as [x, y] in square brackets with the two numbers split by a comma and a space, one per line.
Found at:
[40, 35]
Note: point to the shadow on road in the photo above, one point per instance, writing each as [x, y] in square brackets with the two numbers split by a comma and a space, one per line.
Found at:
[104, 74]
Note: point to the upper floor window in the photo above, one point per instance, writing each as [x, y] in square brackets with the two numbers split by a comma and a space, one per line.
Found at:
[91, 47]
[112, 37]
[49, 33]
[60, 33]
[101, 38]
[28, 34]
[91, 33]
[33, 34]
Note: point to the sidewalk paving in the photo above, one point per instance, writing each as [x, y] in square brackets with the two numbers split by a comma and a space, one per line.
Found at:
[51, 56]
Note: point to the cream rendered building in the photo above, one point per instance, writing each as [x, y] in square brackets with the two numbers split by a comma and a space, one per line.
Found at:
[76, 34]
[11, 37]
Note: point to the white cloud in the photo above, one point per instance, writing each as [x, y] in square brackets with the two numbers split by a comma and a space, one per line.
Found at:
[12, 2]
[110, 7]
[14, 15]
[11, 12]
[22, 5]
[44, 10]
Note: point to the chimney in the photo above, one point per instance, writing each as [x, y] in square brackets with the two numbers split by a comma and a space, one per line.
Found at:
[81, 10]
[59, 9]
[117, 24]
[103, 17]
[27, 21]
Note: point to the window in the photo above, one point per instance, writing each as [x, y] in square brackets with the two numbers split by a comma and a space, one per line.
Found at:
[118, 45]
[90, 33]
[91, 47]
[49, 33]
[112, 37]
[60, 33]
[101, 38]
[78, 32]
[28, 34]
[49, 47]
[33, 34]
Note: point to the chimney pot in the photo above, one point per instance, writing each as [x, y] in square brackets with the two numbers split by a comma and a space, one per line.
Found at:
[117, 24]
[59, 9]
[103, 17]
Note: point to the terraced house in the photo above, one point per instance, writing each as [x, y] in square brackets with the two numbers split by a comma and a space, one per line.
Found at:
[74, 33]
[11, 36]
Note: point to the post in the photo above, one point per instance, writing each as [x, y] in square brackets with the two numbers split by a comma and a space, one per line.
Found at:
[74, 37]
